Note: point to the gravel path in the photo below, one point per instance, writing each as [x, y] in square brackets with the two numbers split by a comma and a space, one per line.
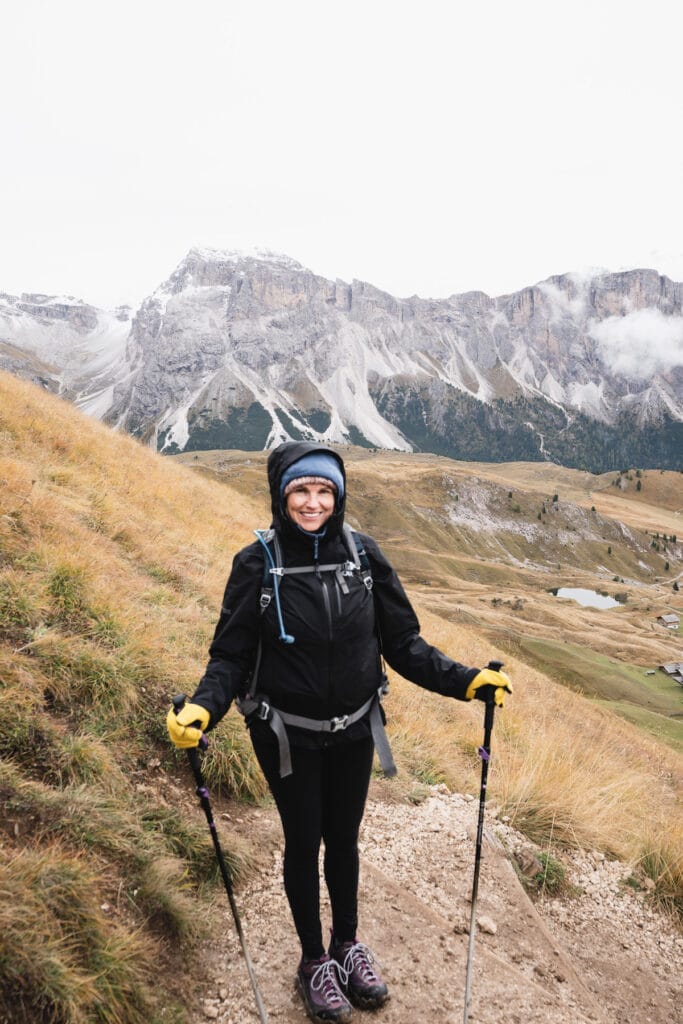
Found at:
[603, 954]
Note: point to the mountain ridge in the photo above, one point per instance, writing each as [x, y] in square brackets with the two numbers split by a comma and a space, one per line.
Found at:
[243, 351]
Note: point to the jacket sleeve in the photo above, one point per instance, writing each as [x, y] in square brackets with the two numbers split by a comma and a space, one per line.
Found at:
[232, 653]
[402, 646]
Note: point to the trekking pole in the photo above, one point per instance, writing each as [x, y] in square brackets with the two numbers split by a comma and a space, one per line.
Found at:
[484, 754]
[203, 794]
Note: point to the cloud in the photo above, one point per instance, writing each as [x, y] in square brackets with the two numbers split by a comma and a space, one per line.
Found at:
[641, 343]
[561, 303]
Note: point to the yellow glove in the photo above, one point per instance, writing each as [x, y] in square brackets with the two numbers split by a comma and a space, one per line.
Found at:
[182, 728]
[489, 683]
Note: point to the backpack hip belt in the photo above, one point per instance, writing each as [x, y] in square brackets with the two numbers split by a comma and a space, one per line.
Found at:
[278, 720]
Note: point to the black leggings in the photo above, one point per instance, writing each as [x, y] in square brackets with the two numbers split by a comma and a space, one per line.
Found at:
[323, 799]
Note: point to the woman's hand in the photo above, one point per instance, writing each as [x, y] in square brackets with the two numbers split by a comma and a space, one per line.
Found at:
[489, 684]
[185, 728]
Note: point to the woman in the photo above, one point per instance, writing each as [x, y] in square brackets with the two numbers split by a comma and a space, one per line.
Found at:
[303, 654]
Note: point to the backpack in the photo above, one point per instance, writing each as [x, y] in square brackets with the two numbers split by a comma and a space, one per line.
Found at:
[258, 705]
[274, 570]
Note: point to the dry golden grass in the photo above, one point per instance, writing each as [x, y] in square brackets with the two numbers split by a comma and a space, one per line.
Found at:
[565, 771]
[62, 959]
[112, 566]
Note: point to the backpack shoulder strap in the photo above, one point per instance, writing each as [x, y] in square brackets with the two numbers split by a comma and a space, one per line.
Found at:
[359, 555]
[272, 559]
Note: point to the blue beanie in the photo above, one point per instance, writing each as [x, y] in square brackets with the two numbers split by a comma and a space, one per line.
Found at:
[314, 465]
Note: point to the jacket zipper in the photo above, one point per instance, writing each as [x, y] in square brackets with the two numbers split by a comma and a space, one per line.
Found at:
[330, 637]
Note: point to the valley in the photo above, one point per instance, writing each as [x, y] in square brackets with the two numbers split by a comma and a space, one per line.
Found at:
[485, 544]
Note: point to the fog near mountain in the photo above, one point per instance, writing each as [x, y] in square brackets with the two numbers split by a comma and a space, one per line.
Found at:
[237, 351]
[642, 343]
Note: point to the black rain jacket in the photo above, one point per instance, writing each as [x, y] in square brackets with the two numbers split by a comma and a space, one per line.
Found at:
[335, 662]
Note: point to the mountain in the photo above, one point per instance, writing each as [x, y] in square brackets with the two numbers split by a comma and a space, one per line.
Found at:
[237, 351]
[66, 346]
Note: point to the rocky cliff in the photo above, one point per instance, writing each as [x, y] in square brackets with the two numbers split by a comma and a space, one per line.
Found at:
[242, 352]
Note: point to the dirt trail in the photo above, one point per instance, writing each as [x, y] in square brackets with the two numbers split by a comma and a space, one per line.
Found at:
[603, 956]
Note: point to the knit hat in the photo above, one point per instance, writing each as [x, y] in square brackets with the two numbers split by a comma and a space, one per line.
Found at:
[316, 467]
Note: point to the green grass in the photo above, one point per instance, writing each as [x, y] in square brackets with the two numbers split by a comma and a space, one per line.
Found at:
[62, 959]
[652, 702]
[666, 730]
[550, 879]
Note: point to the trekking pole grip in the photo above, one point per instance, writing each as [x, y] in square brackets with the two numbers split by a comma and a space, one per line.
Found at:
[179, 702]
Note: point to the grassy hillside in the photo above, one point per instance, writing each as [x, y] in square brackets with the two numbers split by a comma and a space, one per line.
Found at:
[112, 566]
[486, 545]
[112, 562]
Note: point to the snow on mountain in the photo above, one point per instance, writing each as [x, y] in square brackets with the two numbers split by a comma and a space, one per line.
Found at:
[69, 346]
[245, 350]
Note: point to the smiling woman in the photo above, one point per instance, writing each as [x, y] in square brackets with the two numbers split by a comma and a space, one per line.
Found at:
[310, 505]
[310, 694]
[311, 489]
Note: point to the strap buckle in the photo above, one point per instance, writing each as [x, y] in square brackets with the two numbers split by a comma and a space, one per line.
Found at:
[265, 599]
[264, 711]
[339, 723]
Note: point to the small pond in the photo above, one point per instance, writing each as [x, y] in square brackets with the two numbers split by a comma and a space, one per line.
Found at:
[588, 598]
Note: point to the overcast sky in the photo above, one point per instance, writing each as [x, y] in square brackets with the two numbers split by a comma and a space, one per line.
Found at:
[428, 148]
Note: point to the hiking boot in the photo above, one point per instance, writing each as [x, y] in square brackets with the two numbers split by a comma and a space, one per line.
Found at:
[362, 982]
[318, 981]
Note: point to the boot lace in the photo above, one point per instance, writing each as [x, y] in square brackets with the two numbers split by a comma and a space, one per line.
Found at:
[360, 958]
[325, 980]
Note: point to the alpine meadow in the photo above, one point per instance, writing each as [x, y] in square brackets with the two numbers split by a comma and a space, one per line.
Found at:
[113, 560]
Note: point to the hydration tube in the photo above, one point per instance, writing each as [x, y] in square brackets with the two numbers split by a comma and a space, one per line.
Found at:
[286, 638]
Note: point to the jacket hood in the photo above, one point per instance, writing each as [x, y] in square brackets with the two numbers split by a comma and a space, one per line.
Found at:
[280, 459]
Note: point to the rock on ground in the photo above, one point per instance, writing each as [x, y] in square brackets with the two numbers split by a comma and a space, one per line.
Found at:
[603, 955]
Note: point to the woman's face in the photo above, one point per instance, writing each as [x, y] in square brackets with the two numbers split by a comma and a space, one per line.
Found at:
[310, 506]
